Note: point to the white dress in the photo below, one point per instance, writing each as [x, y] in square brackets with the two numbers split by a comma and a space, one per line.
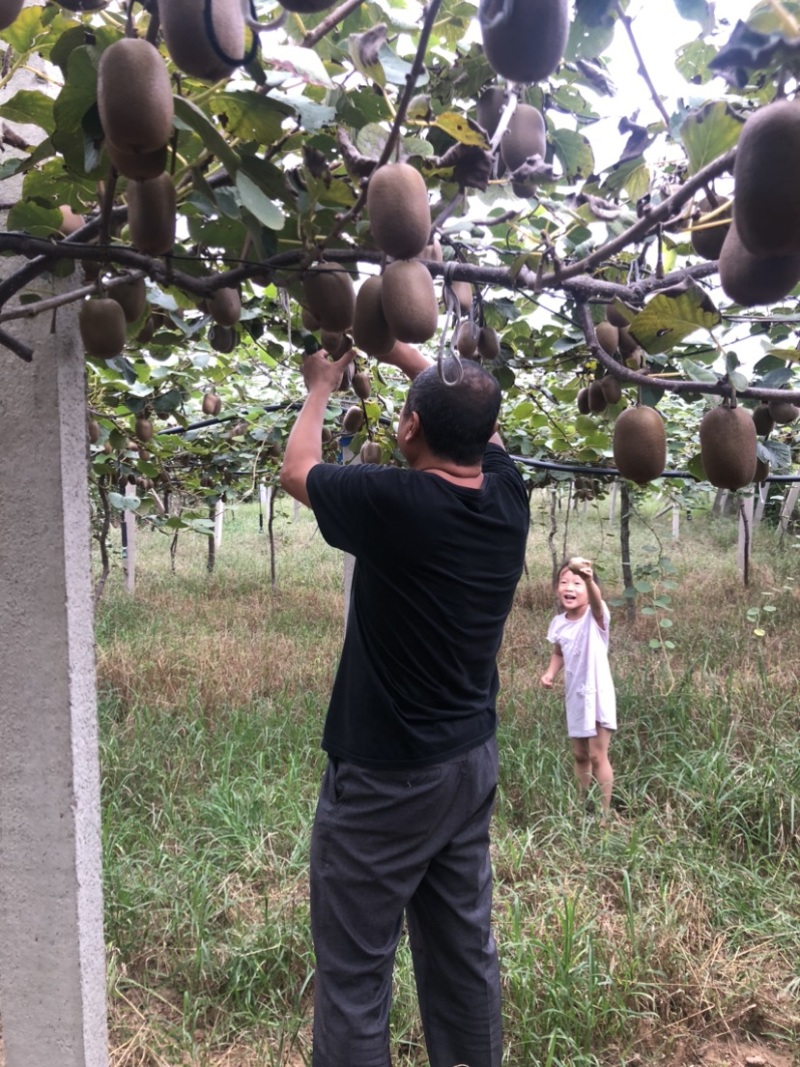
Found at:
[588, 686]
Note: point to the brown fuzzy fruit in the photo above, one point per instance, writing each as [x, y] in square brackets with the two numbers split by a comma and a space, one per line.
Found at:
[371, 332]
[433, 251]
[353, 419]
[186, 36]
[409, 303]
[151, 214]
[762, 471]
[70, 221]
[307, 7]
[763, 420]
[310, 321]
[607, 337]
[370, 452]
[783, 411]
[102, 326]
[398, 209]
[597, 398]
[749, 279]
[463, 293]
[708, 243]
[728, 447]
[9, 11]
[93, 429]
[222, 338]
[138, 166]
[212, 404]
[362, 385]
[330, 296]
[524, 40]
[225, 306]
[490, 107]
[467, 340]
[640, 444]
[144, 429]
[616, 317]
[488, 343]
[134, 96]
[612, 388]
[335, 344]
[524, 136]
[766, 207]
[131, 297]
[582, 401]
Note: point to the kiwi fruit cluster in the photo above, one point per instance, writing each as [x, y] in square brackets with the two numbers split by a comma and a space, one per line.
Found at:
[524, 40]
[151, 214]
[710, 229]
[212, 404]
[134, 96]
[409, 302]
[225, 306]
[728, 447]
[190, 46]
[371, 332]
[524, 136]
[640, 444]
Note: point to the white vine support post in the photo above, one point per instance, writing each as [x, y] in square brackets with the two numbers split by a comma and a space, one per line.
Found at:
[263, 501]
[219, 515]
[676, 522]
[52, 950]
[612, 502]
[788, 508]
[129, 556]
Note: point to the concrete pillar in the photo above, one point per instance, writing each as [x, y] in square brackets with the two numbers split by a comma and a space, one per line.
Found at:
[52, 954]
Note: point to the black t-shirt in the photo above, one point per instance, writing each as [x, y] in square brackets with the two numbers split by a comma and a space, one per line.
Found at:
[436, 569]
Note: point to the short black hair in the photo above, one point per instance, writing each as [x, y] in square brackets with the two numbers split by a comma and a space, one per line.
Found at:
[459, 419]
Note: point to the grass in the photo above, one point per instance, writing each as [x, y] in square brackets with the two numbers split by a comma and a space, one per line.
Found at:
[674, 926]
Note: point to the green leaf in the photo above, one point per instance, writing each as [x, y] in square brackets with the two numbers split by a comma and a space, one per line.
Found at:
[673, 315]
[665, 624]
[190, 117]
[708, 133]
[252, 116]
[303, 62]
[265, 210]
[461, 128]
[28, 106]
[574, 153]
[697, 11]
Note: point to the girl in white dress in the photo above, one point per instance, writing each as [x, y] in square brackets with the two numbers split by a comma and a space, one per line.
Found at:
[579, 638]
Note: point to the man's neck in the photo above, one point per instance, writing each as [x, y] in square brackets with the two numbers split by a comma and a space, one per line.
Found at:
[470, 476]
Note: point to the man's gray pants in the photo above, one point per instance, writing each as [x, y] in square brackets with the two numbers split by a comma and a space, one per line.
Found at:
[389, 842]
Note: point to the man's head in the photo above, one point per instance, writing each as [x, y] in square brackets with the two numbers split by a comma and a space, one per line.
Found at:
[456, 420]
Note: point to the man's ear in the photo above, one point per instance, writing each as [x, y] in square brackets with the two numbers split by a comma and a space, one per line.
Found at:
[413, 427]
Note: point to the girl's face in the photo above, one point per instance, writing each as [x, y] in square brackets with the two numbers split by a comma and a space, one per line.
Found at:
[572, 593]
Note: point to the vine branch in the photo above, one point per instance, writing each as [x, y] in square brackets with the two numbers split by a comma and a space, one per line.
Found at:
[339, 14]
[627, 23]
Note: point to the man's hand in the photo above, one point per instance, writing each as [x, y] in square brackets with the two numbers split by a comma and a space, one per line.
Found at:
[322, 373]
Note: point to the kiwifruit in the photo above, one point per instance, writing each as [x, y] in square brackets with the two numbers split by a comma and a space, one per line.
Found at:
[131, 297]
[463, 293]
[433, 251]
[783, 411]
[524, 136]
[627, 342]
[138, 166]
[615, 316]
[612, 388]
[212, 404]
[225, 306]
[307, 7]
[747, 279]
[147, 331]
[70, 220]
[488, 343]
[467, 339]
[186, 36]
[370, 452]
[327, 435]
[347, 379]
[398, 209]
[582, 400]
[330, 296]
[763, 420]
[362, 385]
[144, 429]
[371, 332]
[640, 444]
[222, 338]
[408, 299]
[597, 398]
[766, 207]
[635, 360]
[489, 108]
[728, 447]
[707, 243]
[353, 419]
[93, 430]
[101, 322]
[9, 12]
[151, 214]
[762, 471]
[309, 320]
[607, 337]
[524, 40]
[335, 344]
[134, 96]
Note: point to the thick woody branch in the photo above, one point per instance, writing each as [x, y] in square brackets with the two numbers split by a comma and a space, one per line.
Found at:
[339, 14]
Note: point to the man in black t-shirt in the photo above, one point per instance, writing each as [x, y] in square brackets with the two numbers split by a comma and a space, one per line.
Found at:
[402, 822]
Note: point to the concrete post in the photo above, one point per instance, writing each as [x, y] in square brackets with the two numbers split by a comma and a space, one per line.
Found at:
[52, 955]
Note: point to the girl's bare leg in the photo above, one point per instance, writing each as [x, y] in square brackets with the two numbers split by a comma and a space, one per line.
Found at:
[601, 769]
[583, 763]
